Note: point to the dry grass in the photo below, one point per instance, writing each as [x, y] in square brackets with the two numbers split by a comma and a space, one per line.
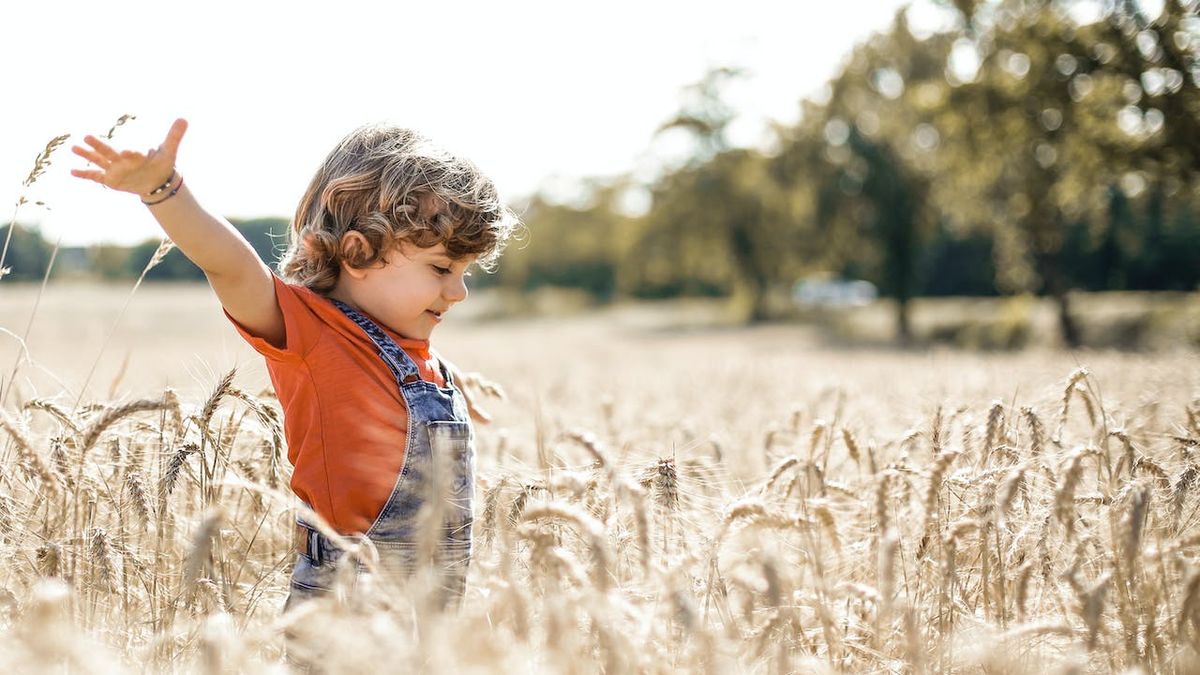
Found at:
[707, 502]
[649, 501]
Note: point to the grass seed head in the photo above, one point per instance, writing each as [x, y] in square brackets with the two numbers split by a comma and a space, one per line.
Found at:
[1037, 431]
[29, 456]
[995, 420]
[137, 496]
[43, 159]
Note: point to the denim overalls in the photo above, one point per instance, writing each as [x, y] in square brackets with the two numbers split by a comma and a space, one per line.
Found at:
[439, 458]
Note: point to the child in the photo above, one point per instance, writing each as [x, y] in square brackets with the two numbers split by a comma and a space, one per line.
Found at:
[378, 431]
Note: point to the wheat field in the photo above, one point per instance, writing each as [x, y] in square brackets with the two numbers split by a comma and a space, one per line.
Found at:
[648, 500]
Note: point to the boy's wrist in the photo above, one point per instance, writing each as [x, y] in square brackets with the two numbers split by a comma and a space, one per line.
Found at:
[161, 189]
[164, 191]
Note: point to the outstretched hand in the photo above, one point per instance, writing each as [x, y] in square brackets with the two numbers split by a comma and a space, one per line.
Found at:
[129, 170]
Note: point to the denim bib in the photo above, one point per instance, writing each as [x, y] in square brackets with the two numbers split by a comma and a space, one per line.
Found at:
[439, 459]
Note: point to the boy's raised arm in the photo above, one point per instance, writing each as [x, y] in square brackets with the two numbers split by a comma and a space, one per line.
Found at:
[242, 282]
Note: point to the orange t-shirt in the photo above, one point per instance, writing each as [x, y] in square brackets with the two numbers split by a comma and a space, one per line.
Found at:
[344, 419]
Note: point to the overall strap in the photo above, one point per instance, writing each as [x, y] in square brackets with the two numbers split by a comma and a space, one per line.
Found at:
[401, 365]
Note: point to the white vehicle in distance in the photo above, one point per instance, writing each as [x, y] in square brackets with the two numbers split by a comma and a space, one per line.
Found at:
[821, 292]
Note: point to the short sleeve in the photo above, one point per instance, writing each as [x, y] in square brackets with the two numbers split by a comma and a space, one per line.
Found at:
[302, 327]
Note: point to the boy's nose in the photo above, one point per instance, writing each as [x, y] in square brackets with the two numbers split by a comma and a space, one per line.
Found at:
[456, 289]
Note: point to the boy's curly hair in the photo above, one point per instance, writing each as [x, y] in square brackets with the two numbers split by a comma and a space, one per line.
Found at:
[392, 184]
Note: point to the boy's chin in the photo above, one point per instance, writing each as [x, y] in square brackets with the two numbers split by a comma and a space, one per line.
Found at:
[413, 332]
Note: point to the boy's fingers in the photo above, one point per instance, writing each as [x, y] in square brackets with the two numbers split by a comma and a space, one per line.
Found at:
[90, 174]
[174, 136]
[89, 155]
[101, 147]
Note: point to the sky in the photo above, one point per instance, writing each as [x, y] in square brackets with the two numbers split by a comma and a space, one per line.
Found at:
[537, 94]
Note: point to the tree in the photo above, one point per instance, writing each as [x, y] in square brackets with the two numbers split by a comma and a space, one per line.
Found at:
[574, 245]
[1050, 122]
[716, 222]
[866, 152]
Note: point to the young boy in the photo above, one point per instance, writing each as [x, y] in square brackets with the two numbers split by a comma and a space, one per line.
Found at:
[378, 431]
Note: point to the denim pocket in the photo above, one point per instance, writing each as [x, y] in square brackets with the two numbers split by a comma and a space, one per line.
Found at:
[453, 449]
[308, 580]
[307, 574]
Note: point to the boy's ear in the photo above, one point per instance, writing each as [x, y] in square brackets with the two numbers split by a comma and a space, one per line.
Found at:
[354, 247]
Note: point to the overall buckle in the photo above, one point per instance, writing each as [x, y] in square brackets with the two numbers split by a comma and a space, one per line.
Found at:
[314, 547]
[308, 542]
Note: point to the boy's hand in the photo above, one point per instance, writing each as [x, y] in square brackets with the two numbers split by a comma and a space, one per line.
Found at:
[129, 170]
[243, 283]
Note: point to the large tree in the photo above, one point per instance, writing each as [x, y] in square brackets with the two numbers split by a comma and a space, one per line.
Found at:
[865, 158]
[1055, 115]
[716, 221]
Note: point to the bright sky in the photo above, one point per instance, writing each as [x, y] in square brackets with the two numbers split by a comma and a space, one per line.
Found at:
[536, 93]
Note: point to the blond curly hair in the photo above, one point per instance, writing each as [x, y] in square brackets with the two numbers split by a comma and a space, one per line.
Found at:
[392, 184]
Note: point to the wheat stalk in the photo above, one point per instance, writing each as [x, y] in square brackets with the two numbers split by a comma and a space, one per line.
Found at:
[28, 455]
[591, 530]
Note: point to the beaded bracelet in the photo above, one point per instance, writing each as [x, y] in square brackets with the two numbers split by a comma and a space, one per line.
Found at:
[163, 188]
[169, 195]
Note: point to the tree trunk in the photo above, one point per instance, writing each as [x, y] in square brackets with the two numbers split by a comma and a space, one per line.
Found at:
[750, 266]
[1068, 329]
[758, 303]
[903, 327]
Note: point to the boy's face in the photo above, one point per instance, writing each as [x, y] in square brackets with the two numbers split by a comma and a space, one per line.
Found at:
[410, 290]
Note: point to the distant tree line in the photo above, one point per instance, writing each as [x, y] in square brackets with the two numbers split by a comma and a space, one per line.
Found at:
[29, 254]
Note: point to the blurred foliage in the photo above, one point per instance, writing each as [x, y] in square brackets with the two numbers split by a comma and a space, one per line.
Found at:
[719, 223]
[1017, 152]
[111, 262]
[266, 235]
[578, 245]
[1056, 118]
[27, 255]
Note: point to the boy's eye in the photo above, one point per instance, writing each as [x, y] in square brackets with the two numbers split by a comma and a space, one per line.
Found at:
[441, 270]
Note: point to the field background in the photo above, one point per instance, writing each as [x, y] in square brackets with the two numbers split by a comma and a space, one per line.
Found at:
[732, 433]
[649, 357]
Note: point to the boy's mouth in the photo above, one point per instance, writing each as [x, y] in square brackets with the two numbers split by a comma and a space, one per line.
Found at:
[436, 315]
